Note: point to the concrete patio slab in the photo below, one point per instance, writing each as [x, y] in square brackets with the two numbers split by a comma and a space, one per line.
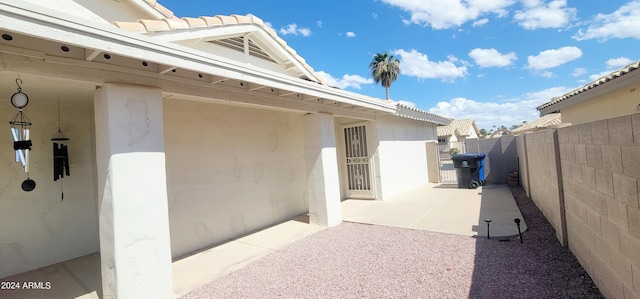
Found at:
[434, 207]
[76, 278]
[443, 208]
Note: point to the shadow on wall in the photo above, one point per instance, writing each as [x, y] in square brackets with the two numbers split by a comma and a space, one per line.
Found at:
[501, 157]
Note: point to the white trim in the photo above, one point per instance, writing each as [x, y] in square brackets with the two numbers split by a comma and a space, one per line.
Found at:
[26, 18]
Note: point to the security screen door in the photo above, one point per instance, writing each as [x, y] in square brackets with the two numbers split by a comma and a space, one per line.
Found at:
[358, 164]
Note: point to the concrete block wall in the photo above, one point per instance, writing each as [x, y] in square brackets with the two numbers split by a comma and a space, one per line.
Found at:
[544, 178]
[601, 167]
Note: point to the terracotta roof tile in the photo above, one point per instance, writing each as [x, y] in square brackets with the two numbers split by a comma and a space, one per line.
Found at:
[154, 25]
[418, 114]
[195, 22]
[212, 21]
[131, 26]
[177, 24]
[447, 131]
[227, 20]
[549, 120]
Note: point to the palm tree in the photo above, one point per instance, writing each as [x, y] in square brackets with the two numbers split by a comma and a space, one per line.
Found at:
[385, 70]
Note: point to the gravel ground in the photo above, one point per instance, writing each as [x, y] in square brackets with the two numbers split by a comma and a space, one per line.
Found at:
[369, 261]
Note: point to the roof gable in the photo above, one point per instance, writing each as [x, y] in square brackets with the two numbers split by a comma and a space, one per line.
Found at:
[546, 121]
[241, 38]
[460, 127]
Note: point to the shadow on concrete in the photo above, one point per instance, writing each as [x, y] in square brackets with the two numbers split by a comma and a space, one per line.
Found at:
[537, 268]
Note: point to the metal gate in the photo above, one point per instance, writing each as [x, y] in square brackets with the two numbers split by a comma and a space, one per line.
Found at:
[357, 161]
[447, 171]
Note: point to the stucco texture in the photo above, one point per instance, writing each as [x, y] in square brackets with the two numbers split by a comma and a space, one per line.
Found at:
[402, 154]
[230, 170]
[38, 228]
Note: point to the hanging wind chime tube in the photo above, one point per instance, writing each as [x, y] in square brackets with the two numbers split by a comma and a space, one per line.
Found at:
[60, 155]
[20, 127]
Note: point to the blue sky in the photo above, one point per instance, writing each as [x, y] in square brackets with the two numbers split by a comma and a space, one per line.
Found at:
[490, 60]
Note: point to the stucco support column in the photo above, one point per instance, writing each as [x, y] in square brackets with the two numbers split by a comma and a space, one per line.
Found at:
[323, 183]
[135, 246]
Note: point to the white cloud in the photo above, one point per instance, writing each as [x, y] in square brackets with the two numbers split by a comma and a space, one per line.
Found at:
[294, 30]
[447, 14]
[480, 22]
[488, 114]
[579, 72]
[613, 64]
[538, 15]
[416, 64]
[353, 81]
[555, 57]
[623, 23]
[351, 34]
[492, 58]
[618, 62]
[546, 74]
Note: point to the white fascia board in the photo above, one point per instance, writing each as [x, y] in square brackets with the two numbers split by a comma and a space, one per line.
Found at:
[32, 20]
[205, 33]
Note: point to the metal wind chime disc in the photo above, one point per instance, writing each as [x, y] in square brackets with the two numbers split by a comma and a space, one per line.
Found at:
[20, 127]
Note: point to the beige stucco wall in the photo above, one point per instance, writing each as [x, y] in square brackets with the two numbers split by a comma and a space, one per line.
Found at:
[601, 167]
[37, 228]
[621, 102]
[402, 156]
[230, 170]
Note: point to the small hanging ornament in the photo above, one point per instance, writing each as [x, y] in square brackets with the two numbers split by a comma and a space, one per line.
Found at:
[20, 127]
[60, 156]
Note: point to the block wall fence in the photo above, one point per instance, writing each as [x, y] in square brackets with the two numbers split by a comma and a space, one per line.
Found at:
[584, 178]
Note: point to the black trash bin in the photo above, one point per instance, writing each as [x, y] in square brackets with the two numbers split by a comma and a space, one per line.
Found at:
[468, 169]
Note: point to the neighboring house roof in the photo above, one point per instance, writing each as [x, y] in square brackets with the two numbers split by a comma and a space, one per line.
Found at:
[547, 121]
[459, 127]
[565, 100]
[446, 131]
[417, 114]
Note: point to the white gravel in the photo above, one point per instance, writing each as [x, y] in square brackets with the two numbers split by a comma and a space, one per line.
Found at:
[369, 261]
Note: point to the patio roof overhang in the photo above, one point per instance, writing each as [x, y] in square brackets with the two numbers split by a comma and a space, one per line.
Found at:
[44, 40]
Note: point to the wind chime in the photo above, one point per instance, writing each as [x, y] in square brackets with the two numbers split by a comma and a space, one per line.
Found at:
[20, 127]
[60, 156]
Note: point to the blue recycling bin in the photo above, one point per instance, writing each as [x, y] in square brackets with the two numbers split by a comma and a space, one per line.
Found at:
[481, 169]
[469, 169]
